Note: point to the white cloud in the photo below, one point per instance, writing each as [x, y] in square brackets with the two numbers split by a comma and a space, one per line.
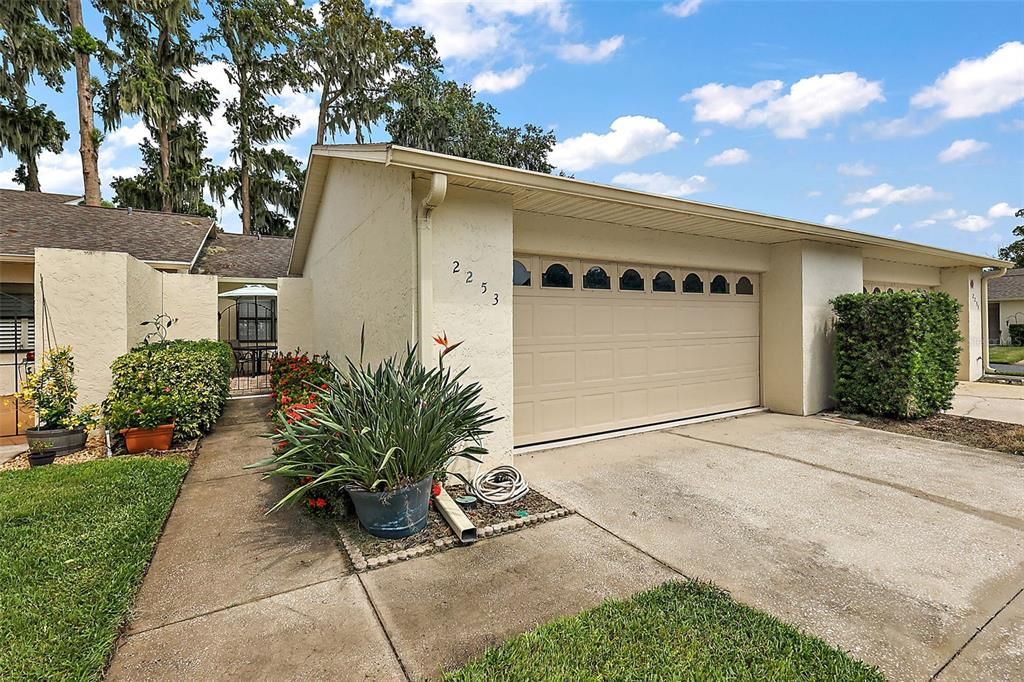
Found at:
[126, 136]
[975, 87]
[660, 183]
[972, 223]
[62, 173]
[927, 222]
[1001, 210]
[859, 214]
[730, 157]
[907, 126]
[629, 138]
[304, 106]
[683, 9]
[500, 81]
[961, 149]
[581, 53]
[471, 29]
[219, 133]
[814, 193]
[897, 227]
[858, 169]
[947, 214]
[1012, 125]
[810, 103]
[886, 194]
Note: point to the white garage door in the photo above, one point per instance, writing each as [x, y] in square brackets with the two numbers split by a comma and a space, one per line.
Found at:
[601, 346]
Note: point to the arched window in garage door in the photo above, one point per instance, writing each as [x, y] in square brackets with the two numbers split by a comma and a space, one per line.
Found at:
[719, 285]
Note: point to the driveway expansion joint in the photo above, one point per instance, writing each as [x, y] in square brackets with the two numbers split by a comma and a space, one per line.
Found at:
[384, 628]
[995, 517]
[975, 635]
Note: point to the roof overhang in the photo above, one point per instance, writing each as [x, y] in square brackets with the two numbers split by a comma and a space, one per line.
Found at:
[554, 195]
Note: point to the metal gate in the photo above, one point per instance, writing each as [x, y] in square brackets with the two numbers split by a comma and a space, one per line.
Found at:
[250, 328]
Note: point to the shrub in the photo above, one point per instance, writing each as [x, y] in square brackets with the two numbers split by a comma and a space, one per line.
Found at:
[1016, 334]
[896, 353]
[51, 392]
[195, 375]
[380, 429]
[295, 377]
[140, 411]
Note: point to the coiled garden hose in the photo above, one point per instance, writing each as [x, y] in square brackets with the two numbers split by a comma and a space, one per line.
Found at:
[501, 485]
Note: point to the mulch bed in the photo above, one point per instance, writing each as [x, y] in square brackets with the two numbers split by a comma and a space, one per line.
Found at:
[367, 551]
[975, 433]
[96, 448]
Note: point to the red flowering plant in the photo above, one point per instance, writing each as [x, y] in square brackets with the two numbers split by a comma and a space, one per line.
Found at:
[295, 378]
[380, 428]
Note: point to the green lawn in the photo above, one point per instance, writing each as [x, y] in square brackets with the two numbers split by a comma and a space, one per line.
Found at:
[1005, 354]
[679, 631]
[75, 541]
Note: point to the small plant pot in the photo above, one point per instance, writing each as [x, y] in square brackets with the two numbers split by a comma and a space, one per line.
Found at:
[140, 440]
[394, 513]
[54, 442]
[38, 459]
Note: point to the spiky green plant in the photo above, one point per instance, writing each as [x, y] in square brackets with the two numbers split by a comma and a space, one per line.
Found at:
[379, 429]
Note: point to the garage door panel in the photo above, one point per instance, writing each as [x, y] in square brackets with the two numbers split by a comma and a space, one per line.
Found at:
[588, 361]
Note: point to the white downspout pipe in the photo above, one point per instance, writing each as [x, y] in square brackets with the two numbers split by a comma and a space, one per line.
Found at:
[424, 264]
[985, 277]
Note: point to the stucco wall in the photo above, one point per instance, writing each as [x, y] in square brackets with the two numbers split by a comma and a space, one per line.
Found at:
[474, 228]
[885, 271]
[558, 236]
[964, 284]
[1007, 310]
[87, 304]
[361, 263]
[97, 301]
[796, 318]
[295, 314]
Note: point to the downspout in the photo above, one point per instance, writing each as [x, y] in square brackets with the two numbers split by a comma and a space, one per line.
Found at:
[985, 277]
[424, 263]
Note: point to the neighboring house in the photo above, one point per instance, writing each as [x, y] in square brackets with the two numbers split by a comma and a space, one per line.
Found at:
[101, 272]
[585, 308]
[1005, 305]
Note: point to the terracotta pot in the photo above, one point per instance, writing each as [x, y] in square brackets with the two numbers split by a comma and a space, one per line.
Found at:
[140, 440]
[54, 442]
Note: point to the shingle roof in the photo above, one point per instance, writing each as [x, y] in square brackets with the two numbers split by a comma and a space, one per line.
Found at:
[242, 255]
[34, 219]
[1008, 287]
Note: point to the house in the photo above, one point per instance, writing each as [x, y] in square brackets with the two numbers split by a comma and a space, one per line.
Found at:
[584, 308]
[89, 277]
[1005, 305]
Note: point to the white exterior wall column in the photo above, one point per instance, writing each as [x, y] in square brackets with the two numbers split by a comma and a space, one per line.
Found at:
[964, 284]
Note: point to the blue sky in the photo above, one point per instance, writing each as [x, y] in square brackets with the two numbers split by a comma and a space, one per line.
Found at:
[903, 119]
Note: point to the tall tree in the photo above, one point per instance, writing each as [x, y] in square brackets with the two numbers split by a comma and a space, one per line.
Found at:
[257, 40]
[351, 55]
[147, 78]
[30, 48]
[83, 46]
[1014, 251]
[189, 172]
[443, 116]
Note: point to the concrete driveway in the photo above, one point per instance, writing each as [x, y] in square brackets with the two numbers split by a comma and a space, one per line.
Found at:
[894, 548]
[997, 402]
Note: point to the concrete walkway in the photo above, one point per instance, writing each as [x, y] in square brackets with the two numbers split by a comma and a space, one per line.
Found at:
[996, 402]
[235, 594]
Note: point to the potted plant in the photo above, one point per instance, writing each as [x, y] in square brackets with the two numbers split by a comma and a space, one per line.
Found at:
[50, 391]
[145, 421]
[381, 434]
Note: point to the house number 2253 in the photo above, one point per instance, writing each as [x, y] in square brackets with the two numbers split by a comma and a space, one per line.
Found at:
[457, 268]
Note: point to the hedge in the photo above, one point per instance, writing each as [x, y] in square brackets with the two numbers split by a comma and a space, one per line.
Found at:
[896, 353]
[195, 374]
[1016, 334]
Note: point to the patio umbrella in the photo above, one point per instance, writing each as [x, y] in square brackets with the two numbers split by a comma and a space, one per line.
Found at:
[249, 290]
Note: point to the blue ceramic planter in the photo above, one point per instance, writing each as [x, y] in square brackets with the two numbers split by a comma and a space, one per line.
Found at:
[395, 513]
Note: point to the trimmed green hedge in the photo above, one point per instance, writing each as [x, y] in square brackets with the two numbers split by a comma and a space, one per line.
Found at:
[195, 374]
[896, 353]
[1016, 334]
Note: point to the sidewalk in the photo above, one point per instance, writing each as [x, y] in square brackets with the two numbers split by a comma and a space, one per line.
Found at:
[232, 593]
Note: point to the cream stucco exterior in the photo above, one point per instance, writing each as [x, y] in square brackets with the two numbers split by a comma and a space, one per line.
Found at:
[1010, 312]
[294, 314]
[96, 302]
[964, 284]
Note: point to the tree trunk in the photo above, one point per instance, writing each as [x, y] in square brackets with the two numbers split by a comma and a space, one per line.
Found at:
[32, 174]
[165, 170]
[243, 150]
[87, 141]
[321, 121]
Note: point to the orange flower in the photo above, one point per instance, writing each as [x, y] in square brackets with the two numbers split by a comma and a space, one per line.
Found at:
[441, 339]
